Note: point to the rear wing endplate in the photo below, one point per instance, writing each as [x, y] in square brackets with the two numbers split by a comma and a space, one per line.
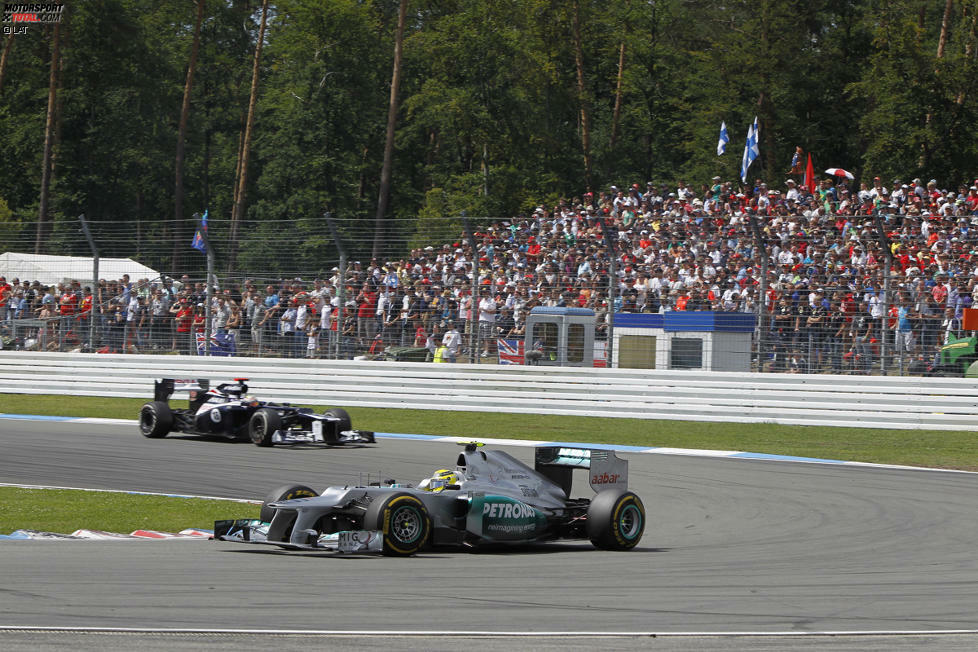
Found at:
[605, 469]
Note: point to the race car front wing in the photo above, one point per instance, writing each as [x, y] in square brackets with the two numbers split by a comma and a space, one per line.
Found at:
[255, 531]
[315, 435]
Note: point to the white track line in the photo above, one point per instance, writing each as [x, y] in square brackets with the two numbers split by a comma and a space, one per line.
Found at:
[125, 491]
[373, 633]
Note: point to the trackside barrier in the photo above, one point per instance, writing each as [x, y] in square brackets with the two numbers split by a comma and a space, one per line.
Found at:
[797, 399]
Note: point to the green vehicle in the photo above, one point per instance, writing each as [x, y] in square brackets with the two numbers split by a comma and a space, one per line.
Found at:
[405, 354]
[958, 358]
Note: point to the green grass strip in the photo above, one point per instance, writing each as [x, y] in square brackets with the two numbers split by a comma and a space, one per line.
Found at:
[930, 448]
[67, 510]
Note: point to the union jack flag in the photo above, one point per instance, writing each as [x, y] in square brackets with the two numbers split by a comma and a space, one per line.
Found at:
[510, 351]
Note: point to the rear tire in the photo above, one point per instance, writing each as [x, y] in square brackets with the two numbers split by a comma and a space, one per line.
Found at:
[155, 420]
[286, 492]
[345, 422]
[263, 425]
[403, 519]
[615, 520]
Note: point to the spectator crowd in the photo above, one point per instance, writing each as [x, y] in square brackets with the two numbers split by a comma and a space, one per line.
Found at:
[816, 276]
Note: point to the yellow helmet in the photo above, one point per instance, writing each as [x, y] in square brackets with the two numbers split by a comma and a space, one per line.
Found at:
[439, 480]
[447, 476]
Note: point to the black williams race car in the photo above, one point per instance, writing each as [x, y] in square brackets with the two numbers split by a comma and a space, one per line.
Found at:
[489, 498]
[228, 411]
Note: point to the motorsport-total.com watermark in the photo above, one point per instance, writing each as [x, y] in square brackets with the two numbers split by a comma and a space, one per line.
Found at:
[18, 17]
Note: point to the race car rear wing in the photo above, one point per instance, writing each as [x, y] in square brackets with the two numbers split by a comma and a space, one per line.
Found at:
[163, 389]
[605, 469]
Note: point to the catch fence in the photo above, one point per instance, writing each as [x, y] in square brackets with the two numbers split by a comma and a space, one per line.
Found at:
[870, 295]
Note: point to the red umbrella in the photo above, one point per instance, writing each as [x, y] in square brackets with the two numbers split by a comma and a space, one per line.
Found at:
[839, 172]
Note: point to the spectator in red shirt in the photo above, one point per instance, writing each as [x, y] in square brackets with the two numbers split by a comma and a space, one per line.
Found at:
[5, 293]
[366, 315]
[183, 313]
[68, 304]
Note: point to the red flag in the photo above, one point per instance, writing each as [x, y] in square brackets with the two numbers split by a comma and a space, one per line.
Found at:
[810, 175]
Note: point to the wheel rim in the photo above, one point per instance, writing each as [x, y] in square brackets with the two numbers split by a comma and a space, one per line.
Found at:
[258, 428]
[405, 525]
[147, 419]
[630, 522]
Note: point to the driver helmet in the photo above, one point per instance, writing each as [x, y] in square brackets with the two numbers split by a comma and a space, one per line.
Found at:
[250, 400]
[439, 480]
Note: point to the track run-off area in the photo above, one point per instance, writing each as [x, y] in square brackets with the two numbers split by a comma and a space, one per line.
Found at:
[758, 553]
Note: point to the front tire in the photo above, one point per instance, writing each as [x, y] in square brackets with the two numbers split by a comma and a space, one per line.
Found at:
[346, 423]
[404, 521]
[285, 492]
[155, 420]
[615, 520]
[263, 425]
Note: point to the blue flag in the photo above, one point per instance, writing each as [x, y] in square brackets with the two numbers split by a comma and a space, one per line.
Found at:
[198, 242]
[724, 139]
[222, 344]
[751, 150]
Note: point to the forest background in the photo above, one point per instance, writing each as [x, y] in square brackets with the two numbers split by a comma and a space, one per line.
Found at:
[140, 113]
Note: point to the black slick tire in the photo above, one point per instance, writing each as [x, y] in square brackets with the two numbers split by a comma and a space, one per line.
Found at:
[285, 492]
[404, 521]
[155, 419]
[262, 426]
[615, 520]
[346, 423]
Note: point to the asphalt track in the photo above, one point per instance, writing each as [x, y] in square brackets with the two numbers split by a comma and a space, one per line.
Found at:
[731, 546]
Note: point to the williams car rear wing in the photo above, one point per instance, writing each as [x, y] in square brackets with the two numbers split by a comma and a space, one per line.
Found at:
[605, 470]
[164, 387]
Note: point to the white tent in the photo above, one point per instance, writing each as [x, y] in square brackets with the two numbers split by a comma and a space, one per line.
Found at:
[57, 269]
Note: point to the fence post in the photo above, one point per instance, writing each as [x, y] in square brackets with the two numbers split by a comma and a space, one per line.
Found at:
[888, 253]
[209, 286]
[96, 304]
[474, 335]
[760, 247]
[609, 241]
[211, 282]
[341, 290]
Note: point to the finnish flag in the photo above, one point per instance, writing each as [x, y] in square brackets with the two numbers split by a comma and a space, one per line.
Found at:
[724, 139]
[751, 149]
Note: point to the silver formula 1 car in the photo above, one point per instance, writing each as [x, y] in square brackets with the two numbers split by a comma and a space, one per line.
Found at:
[228, 411]
[490, 498]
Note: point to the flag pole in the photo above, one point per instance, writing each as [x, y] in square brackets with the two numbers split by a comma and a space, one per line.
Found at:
[209, 252]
